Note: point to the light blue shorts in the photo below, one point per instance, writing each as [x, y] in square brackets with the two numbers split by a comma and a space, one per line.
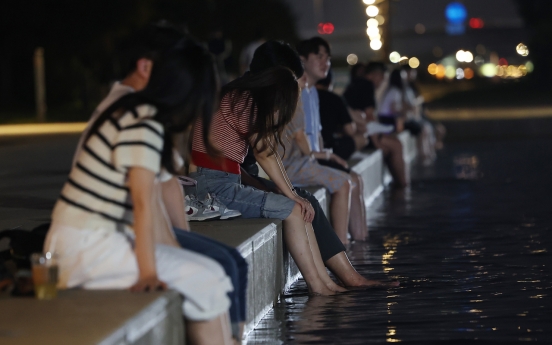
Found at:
[251, 202]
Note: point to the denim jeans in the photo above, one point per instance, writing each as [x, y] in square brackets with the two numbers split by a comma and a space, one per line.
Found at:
[251, 202]
[231, 261]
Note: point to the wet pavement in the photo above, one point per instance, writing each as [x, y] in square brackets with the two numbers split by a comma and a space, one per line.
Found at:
[470, 243]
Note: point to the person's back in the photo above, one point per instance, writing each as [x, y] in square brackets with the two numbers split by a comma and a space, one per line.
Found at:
[334, 117]
[360, 94]
[96, 190]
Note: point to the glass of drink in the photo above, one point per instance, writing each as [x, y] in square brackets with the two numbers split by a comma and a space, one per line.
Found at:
[45, 275]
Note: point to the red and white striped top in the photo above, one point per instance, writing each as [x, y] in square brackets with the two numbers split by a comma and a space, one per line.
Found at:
[229, 129]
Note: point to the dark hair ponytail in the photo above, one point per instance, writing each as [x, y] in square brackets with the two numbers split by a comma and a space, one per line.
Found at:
[183, 87]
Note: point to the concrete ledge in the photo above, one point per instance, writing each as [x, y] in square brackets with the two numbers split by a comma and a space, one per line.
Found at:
[260, 243]
[93, 317]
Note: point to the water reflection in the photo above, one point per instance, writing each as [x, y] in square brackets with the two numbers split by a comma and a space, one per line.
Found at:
[473, 258]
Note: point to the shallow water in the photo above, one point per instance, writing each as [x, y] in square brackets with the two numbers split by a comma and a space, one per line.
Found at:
[472, 256]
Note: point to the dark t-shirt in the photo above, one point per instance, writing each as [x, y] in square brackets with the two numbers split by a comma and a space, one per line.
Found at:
[333, 115]
[360, 94]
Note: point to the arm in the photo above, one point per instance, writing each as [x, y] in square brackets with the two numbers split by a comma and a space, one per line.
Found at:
[303, 142]
[141, 185]
[162, 228]
[359, 118]
[320, 140]
[173, 199]
[248, 180]
[272, 165]
[350, 129]
[370, 114]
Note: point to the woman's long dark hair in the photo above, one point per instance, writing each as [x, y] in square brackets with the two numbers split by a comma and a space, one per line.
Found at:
[273, 95]
[395, 80]
[183, 86]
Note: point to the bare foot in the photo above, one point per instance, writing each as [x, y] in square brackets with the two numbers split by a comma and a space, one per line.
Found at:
[334, 287]
[320, 289]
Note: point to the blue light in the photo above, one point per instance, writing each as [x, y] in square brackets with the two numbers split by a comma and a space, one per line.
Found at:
[456, 13]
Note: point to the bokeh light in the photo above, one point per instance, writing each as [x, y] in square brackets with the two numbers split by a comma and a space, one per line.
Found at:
[372, 22]
[432, 69]
[380, 19]
[414, 62]
[459, 73]
[522, 49]
[420, 28]
[479, 60]
[530, 66]
[394, 57]
[460, 55]
[503, 62]
[368, 2]
[476, 23]
[488, 70]
[440, 72]
[468, 73]
[325, 28]
[372, 31]
[372, 11]
[450, 72]
[375, 44]
[468, 56]
[352, 59]
[456, 13]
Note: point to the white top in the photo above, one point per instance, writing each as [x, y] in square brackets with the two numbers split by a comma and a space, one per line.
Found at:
[96, 193]
[391, 103]
[117, 91]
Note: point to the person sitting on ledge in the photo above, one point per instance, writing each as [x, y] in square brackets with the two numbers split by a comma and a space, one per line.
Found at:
[104, 224]
[254, 110]
[360, 96]
[332, 251]
[169, 210]
[339, 131]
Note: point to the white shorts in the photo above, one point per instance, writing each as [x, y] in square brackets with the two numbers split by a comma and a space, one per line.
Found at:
[104, 259]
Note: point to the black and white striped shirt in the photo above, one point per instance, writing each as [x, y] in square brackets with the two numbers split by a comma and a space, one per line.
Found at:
[96, 193]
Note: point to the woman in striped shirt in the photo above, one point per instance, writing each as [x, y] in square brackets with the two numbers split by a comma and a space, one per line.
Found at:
[254, 111]
[103, 223]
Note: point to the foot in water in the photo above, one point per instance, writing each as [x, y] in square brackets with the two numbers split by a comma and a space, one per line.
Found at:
[320, 289]
[336, 288]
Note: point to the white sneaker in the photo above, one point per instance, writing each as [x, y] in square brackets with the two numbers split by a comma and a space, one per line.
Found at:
[374, 127]
[197, 211]
[215, 204]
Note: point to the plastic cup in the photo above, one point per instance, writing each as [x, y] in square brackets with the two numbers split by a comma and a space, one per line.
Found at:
[45, 275]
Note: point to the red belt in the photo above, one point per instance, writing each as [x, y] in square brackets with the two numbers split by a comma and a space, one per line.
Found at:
[203, 160]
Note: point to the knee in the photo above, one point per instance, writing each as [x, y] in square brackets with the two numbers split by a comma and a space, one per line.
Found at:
[395, 145]
[357, 179]
[345, 187]
[295, 212]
